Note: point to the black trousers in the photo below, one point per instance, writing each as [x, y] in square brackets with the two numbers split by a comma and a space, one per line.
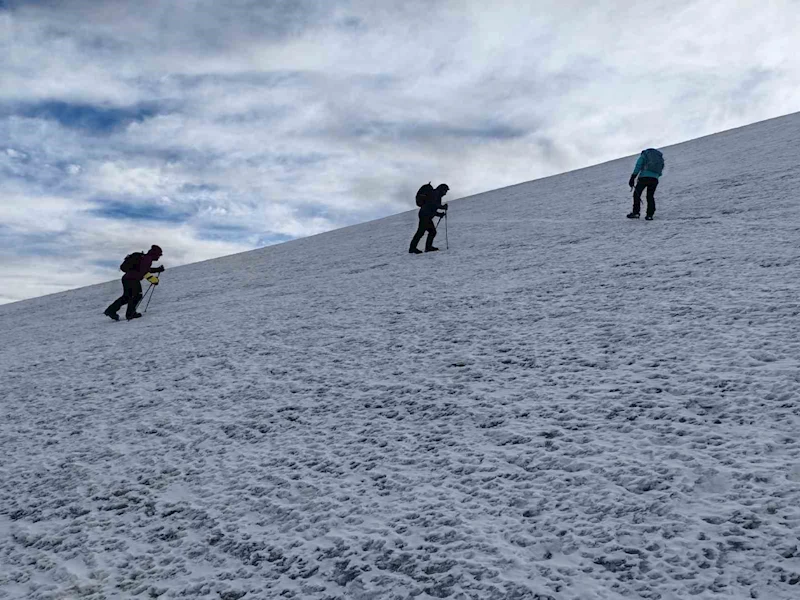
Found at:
[131, 295]
[650, 183]
[425, 224]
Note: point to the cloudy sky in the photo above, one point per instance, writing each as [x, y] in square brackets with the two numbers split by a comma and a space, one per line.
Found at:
[216, 127]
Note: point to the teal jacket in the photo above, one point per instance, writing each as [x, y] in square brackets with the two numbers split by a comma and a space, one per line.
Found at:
[640, 171]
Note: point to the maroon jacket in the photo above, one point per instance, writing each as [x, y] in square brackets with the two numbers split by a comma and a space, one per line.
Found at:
[145, 263]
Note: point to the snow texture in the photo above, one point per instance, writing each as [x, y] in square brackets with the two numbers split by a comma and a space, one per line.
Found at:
[566, 405]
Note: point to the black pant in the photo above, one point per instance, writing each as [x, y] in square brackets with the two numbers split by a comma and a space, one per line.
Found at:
[651, 183]
[425, 224]
[131, 295]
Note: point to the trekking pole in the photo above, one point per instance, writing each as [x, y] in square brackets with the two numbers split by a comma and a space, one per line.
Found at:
[152, 287]
[153, 279]
[149, 290]
[446, 241]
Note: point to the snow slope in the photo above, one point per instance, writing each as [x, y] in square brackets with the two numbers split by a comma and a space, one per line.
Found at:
[566, 404]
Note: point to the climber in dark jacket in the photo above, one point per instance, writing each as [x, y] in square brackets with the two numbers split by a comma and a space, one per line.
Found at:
[432, 207]
[132, 286]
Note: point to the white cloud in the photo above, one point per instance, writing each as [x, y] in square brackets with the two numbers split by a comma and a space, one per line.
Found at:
[118, 178]
[291, 118]
[38, 214]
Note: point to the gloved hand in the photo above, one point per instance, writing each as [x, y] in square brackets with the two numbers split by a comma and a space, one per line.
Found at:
[158, 269]
[632, 181]
[444, 206]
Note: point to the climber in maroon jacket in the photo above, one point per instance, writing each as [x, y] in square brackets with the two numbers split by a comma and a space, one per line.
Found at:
[135, 266]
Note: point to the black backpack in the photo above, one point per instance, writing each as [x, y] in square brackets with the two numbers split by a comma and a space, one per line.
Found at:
[423, 194]
[131, 262]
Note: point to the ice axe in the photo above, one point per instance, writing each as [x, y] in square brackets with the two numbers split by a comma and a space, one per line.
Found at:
[446, 241]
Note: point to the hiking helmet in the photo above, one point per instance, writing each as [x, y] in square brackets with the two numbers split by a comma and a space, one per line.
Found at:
[155, 250]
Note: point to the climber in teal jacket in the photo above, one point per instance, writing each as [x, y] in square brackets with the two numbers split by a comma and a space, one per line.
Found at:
[649, 168]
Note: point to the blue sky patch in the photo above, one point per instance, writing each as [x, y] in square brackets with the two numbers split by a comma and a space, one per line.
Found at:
[223, 233]
[427, 131]
[87, 117]
[270, 79]
[199, 188]
[273, 238]
[139, 211]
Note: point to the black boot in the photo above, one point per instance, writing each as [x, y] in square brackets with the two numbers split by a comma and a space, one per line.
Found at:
[648, 218]
[414, 250]
[633, 215]
[111, 314]
[134, 316]
[431, 249]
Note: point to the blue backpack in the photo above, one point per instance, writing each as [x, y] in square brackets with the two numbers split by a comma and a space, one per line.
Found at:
[653, 161]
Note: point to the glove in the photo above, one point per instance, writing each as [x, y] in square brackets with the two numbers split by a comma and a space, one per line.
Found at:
[632, 181]
[445, 206]
[158, 270]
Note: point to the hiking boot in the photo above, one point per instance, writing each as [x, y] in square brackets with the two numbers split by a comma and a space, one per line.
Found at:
[431, 249]
[414, 251]
[633, 215]
[134, 316]
[648, 218]
[111, 315]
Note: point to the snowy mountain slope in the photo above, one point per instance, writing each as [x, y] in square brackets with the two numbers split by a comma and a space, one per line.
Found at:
[565, 405]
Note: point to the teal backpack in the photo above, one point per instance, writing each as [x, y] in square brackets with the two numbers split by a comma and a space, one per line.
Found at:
[653, 161]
